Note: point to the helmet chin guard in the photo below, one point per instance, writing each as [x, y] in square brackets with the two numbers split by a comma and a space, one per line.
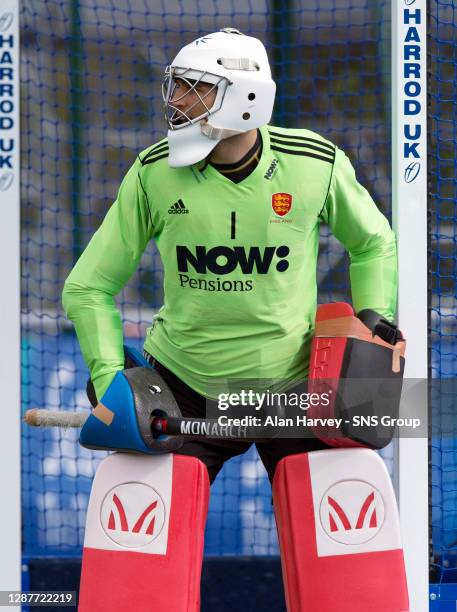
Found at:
[237, 70]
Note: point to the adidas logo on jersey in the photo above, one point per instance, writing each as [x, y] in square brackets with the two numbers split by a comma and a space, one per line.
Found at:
[178, 208]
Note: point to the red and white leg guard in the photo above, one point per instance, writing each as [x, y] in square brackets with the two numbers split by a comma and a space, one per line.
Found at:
[339, 533]
[143, 546]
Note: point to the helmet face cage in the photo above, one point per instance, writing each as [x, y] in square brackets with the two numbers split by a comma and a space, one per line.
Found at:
[177, 118]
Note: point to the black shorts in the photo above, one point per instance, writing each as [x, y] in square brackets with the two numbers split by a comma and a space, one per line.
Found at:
[213, 453]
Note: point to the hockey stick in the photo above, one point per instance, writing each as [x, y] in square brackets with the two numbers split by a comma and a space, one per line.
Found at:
[174, 426]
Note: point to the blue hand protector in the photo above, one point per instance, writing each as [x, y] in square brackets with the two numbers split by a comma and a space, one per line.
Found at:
[121, 421]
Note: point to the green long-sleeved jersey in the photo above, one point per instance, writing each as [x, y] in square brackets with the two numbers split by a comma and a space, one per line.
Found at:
[239, 261]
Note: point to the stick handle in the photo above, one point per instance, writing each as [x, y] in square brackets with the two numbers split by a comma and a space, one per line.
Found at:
[40, 417]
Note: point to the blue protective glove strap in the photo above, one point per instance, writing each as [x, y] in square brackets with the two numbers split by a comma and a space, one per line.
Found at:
[133, 354]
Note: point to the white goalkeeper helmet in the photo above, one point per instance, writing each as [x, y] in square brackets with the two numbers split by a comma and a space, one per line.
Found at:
[237, 69]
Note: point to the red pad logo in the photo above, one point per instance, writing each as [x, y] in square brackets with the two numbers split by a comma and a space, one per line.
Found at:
[132, 514]
[281, 203]
[352, 512]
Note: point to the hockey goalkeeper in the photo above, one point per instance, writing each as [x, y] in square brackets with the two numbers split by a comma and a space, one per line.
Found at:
[234, 206]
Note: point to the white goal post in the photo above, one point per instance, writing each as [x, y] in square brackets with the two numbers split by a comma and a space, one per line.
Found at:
[409, 207]
[10, 368]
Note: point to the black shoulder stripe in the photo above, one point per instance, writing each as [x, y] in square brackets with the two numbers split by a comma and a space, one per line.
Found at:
[159, 148]
[151, 160]
[330, 160]
[158, 145]
[304, 138]
[302, 144]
